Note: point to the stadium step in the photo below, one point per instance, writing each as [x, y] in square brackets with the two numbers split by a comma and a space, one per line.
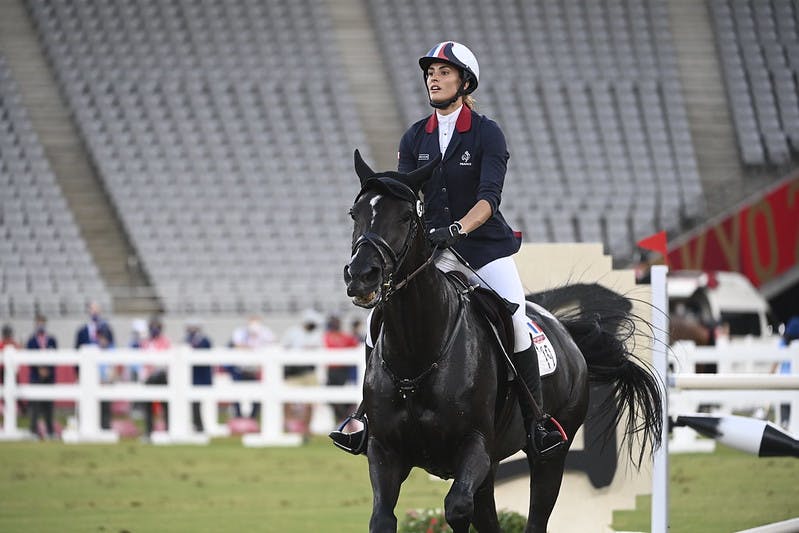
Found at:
[369, 79]
[724, 179]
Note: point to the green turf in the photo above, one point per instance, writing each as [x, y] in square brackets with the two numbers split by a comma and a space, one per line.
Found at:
[53, 487]
[722, 492]
[223, 487]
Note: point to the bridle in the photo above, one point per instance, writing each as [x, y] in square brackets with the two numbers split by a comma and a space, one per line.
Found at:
[387, 254]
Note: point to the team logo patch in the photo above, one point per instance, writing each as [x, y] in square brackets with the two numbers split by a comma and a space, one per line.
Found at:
[424, 157]
[547, 362]
[465, 159]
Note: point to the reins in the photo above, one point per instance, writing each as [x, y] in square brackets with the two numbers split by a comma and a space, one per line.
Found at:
[408, 386]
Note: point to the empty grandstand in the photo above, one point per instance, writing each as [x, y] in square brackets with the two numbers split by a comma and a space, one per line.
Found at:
[217, 128]
[44, 263]
[222, 133]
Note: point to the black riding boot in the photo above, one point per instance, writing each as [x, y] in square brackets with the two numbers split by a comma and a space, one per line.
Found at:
[543, 435]
[355, 442]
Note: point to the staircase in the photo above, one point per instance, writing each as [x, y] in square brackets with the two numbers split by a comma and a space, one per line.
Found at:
[724, 180]
[368, 80]
[80, 184]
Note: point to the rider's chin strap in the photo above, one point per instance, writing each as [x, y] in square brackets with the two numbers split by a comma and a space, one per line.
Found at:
[447, 103]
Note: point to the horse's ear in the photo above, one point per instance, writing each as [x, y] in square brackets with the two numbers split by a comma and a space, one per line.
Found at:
[362, 169]
[416, 179]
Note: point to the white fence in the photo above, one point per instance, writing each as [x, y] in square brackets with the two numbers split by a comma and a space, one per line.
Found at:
[744, 382]
[272, 391]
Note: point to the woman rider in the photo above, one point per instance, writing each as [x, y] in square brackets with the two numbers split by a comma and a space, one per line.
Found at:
[462, 207]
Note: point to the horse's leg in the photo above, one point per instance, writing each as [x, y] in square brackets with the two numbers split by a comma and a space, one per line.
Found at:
[386, 473]
[473, 467]
[485, 508]
[545, 479]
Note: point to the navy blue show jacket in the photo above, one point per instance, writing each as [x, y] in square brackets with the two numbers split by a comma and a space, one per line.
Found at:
[472, 169]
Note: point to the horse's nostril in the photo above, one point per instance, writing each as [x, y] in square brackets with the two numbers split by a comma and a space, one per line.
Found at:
[373, 275]
[347, 275]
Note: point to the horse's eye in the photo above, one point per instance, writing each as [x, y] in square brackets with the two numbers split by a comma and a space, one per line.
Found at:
[351, 213]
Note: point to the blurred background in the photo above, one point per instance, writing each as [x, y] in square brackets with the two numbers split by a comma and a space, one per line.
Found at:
[194, 157]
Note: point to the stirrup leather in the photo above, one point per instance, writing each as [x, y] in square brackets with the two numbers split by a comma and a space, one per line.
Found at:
[354, 443]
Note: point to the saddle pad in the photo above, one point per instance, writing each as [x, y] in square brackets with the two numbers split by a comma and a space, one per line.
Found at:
[547, 360]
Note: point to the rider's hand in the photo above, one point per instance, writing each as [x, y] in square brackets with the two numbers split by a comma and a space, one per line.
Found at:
[447, 236]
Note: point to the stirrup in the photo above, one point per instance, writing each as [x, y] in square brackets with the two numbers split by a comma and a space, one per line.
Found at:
[546, 438]
[355, 442]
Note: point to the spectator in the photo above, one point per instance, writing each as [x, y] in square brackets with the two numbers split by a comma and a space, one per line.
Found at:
[357, 330]
[138, 336]
[45, 374]
[138, 333]
[108, 374]
[340, 374]
[7, 340]
[307, 335]
[156, 341]
[253, 336]
[87, 334]
[200, 374]
[791, 335]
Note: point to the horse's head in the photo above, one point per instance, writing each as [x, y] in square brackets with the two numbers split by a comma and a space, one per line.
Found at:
[387, 217]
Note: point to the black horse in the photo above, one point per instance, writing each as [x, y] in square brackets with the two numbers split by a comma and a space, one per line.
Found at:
[436, 390]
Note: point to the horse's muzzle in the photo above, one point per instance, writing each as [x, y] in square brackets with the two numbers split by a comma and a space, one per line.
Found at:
[363, 282]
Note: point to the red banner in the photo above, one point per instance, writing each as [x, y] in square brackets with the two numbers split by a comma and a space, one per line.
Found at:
[761, 240]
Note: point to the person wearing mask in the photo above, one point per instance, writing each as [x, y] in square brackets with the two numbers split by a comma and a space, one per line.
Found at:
[200, 374]
[336, 338]
[254, 336]
[156, 341]
[461, 207]
[307, 335]
[42, 374]
[87, 334]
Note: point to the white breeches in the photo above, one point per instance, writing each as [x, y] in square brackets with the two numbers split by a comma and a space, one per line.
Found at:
[502, 276]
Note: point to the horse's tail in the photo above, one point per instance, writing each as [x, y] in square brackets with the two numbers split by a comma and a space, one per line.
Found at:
[603, 326]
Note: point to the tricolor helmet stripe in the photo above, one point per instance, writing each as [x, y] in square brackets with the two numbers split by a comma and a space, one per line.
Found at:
[456, 54]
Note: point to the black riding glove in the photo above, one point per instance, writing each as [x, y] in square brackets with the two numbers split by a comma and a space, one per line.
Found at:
[446, 237]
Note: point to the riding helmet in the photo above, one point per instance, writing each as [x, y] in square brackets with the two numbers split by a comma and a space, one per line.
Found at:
[455, 54]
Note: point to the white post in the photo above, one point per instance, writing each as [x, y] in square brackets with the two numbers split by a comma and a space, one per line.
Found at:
[271, 410]
[88, 402]
[179, 415]
[10, 430]
[88, 405]
[660, 468]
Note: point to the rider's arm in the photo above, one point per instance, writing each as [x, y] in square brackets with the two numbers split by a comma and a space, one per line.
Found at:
[476, 216]
[492, 177]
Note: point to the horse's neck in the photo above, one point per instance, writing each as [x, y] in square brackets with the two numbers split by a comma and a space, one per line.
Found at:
[418, 320]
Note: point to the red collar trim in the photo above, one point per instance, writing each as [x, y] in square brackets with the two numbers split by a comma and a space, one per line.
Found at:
[463, 124]
[432, 123]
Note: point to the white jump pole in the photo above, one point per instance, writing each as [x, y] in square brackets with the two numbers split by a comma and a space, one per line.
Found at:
[660, 468]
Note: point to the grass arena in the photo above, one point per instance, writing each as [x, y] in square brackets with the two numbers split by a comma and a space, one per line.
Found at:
[175, 175]
[224, 486]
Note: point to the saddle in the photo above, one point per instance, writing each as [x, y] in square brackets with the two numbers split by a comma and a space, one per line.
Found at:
[495, 309]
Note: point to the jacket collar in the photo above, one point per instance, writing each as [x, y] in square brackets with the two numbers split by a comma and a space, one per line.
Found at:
[462, 125]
